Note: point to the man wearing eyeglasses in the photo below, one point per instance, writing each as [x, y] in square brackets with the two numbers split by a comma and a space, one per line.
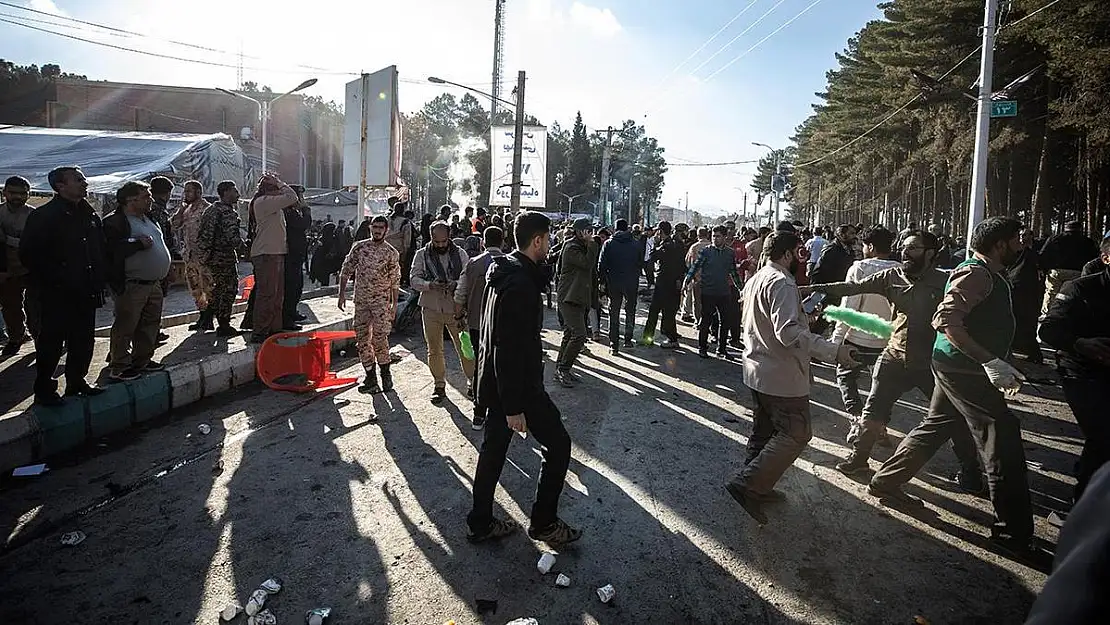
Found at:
[914, 290]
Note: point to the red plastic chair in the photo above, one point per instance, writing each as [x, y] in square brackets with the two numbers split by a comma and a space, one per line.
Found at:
[246, 285]
[300, 361]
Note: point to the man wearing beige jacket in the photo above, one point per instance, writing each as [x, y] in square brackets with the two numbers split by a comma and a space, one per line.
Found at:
[778, 347]
[268, 249]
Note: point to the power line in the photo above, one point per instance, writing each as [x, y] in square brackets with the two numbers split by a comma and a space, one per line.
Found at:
[694, 164]
[760, 42]
[159, 55]
[707, 42]
[119, 32]
[734, 39]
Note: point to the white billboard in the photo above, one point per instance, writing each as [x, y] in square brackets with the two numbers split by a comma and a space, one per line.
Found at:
[372, 131]
[533, 174]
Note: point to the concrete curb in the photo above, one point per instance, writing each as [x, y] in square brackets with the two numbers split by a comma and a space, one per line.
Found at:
[40, 432]
[181, 319]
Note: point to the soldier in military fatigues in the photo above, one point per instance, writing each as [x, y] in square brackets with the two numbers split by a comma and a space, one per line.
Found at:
[218, 241]
[377, 270]
[186, 222]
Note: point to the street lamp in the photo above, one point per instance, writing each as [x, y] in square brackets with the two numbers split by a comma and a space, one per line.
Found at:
[776, 180]
[570, 201]
[264, 110]
[441, 81]
[518, 130]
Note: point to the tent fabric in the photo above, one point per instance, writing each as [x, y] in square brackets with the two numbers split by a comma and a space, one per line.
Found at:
[111, 158]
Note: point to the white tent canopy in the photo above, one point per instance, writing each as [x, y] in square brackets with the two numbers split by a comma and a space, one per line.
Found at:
[110, 158]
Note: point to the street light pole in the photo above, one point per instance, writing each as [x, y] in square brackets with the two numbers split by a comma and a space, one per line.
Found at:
[778, 172]
[570, 201]
[983, 131]
[264, 113]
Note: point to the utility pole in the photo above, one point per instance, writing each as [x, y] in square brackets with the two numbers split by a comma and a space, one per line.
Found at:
[605, 153]
[983, 130]
[744, 215]
[518, 144]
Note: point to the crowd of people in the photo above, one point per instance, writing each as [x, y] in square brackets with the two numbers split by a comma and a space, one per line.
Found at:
[955, 317]
[63, 260]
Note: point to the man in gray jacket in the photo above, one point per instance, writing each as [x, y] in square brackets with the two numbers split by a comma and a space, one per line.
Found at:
[435, 274]
[577, 275]
[469, 296]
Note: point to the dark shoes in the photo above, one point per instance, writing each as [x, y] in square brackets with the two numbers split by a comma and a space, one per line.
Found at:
[855, 464]
[84, 391]
[203, 324]
[369, 384]
[126, 375]
[163, 337]
[48, 399]
[894, 497]
[498, 528]
[970, 483]
[226, 332]
[479, 423]
[557, 533]
[438, 395]
[387, 378]
[749, 501]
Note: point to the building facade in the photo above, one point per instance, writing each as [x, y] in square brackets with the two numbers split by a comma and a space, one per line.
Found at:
[305, 142]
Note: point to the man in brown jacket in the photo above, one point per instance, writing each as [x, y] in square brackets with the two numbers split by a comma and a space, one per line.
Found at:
[268, 249]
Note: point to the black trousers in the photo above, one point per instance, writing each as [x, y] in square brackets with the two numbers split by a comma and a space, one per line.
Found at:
[1027, 310]
[719, 309]
[294, 286]
[480, 411]
[545, 423]
[1087, 399]
[970, 398]
[665, 299]
[617, 299]
[64, 323]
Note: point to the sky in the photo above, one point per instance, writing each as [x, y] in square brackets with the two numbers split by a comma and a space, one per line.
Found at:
[651, 61]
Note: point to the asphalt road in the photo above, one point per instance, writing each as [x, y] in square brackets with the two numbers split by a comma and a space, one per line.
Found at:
[358, 504]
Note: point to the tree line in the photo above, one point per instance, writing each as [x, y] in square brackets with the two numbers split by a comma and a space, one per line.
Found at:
[1048, 165]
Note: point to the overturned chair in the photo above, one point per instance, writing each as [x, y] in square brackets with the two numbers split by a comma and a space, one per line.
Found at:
[300, 361]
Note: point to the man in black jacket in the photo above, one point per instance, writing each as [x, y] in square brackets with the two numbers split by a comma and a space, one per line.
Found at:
[670, 253]
[298, 218]
[63, 249]
[1026, 293]
[1062, 259]
[836, 258]
[619, 267]
[510, 385]
[1078, 325]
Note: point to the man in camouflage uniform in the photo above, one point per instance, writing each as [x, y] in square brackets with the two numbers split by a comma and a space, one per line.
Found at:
[186, 222]
[377, 270]
[218, 240]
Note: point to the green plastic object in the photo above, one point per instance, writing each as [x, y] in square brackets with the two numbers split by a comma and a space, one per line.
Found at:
[466, 344]
[862, 321]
